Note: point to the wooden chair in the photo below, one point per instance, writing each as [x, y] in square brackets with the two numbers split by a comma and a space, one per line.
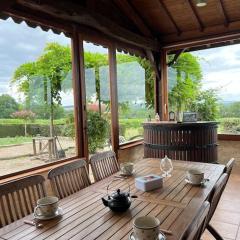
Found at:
[197, 226]
[229, 167]
[214, 200]
[19, 198]
[103, 165]
[69, 178]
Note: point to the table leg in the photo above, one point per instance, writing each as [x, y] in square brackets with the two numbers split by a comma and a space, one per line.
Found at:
[50, 149]
[34, 147]
[40, 146]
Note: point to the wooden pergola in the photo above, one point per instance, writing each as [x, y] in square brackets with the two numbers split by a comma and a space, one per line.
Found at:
[147, 28]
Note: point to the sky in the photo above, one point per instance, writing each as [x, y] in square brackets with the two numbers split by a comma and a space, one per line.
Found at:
[221, 71]
[20, 44]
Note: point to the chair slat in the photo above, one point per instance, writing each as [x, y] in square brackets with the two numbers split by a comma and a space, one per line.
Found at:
[103, 165]
[69, 178]
[18, 198]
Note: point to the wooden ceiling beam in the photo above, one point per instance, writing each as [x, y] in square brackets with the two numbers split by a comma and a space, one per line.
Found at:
[6, 4]
[163, 5]
[195, 13]
[224, 13]
[131, 13]
[34, 18]
[74, 13]
[176, 56]
[214, 39]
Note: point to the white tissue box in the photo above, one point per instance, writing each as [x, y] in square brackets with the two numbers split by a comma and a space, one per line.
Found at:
[149, 182]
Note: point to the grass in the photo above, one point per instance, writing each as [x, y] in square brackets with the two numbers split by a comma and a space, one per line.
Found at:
[14, 140]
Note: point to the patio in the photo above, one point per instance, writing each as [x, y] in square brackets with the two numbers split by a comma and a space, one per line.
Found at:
[118, 58]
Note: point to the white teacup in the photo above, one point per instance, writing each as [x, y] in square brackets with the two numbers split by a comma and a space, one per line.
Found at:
[127, 168]
[146, 227]
[46, 206]
[195, 176]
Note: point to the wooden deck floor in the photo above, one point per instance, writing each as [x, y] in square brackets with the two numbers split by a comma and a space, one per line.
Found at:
[227, 216]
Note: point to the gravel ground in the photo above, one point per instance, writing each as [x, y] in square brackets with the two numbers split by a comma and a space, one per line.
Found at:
[20, 157]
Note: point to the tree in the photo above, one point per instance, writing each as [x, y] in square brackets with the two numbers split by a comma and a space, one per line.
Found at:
[206, 105]
[26, 115]
[188, 80]
[8, 105]
[45, 76]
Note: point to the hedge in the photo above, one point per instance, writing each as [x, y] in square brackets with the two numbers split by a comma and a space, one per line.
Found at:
[32, 129]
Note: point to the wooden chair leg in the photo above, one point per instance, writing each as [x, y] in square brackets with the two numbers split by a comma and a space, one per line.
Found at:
[214, 232]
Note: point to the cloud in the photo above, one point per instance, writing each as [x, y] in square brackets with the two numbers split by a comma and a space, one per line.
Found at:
[20, 44]
[221, 70]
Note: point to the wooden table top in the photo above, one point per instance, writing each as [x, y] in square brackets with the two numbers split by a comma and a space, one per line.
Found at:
[85, 217]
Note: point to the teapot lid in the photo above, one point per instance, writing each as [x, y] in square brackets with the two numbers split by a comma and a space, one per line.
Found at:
[119, 196]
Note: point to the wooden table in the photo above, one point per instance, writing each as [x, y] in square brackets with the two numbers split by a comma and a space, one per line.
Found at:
[85, 217]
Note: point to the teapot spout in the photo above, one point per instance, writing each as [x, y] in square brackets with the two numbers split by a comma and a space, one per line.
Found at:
[105, 202]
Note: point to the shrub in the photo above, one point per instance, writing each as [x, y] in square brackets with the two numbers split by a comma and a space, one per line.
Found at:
[97, 130]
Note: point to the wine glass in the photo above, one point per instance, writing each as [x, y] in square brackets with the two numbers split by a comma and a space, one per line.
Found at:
[166, 166]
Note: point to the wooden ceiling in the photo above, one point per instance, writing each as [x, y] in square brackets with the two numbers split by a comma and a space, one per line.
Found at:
[147, 24]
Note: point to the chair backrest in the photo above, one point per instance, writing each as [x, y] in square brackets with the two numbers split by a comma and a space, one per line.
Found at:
[198, 225]
[69, 178]
[216, 194]
[103, 165]
[229, 166]
[18, 198]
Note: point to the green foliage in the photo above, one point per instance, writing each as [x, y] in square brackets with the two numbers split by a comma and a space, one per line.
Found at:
[97, 131]
[13, 130]
[37, 121]
[231, 110]
[230, 125]
[206, 105]
[8, 105]
[188, 79]
[14, 140]
[42, 111]
[149, 82]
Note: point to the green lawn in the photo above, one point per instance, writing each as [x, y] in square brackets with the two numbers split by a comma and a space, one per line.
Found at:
[14, 140]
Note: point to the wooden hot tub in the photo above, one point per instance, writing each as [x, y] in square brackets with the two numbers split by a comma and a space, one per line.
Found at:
[181, 141]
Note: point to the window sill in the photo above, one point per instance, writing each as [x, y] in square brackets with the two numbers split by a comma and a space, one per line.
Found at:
[228, 137]
[131, 144]
[36, 170]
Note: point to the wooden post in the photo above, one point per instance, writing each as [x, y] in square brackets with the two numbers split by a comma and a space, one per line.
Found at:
[79, 95]
[114, 98]
[164, 85]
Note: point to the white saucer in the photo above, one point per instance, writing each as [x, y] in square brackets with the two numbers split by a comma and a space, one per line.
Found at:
[196, 184]
[125, 174]
[161, 236]
[58, 213]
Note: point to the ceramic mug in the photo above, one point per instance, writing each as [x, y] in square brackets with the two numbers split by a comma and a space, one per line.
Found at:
[146, 227]
[46, 206]
[195, 176]
[127, 168]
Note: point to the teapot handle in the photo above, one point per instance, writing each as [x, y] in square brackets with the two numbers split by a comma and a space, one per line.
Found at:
[117, 180]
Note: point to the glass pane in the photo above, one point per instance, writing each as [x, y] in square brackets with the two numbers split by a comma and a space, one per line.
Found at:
[98, 97]
[135, 80]
[36, 97]
[206, 82]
